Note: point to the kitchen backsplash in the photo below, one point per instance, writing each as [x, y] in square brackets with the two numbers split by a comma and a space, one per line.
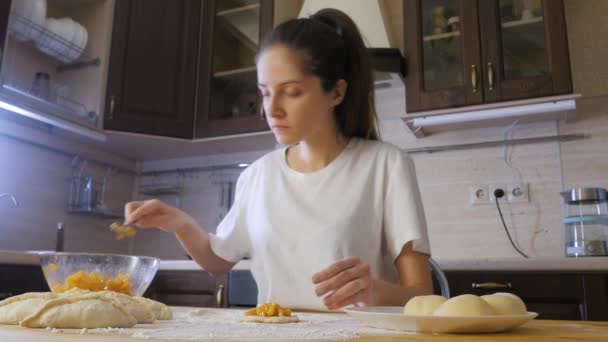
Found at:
[39, 179]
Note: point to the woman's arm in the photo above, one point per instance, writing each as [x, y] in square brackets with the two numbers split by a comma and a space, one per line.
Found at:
[414, 279]
[194, 239]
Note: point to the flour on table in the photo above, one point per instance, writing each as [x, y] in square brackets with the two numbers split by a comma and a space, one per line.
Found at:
[210, 324]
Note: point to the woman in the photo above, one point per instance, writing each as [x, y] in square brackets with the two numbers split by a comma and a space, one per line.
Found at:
[334, 218]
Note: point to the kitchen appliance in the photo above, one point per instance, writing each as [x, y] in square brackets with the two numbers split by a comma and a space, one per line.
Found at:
[586, 222]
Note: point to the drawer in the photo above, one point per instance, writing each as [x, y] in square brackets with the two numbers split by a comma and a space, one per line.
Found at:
[530, 286]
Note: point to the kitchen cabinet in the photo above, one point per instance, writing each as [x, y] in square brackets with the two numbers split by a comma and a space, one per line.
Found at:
[473, 52]
[153, 64]
[54, 62]
[229, 98]
[19, 279]
[5, 7]
[188, 288]
[185, 68]
[554, 295]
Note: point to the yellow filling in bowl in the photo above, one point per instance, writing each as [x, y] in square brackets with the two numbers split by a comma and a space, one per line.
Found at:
[95, 282]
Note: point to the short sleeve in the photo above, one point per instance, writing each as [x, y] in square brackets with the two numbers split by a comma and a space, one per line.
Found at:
[404, 219]
[231, 241]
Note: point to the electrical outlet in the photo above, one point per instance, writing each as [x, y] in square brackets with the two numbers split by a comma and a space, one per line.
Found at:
[518, 193]
[493, 187]
[478, 194]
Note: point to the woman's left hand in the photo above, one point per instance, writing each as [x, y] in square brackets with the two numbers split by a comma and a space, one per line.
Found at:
[347, 281]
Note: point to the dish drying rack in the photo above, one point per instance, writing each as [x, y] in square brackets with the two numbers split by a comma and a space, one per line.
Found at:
[69, 108]
[158, 187]
[58, 45]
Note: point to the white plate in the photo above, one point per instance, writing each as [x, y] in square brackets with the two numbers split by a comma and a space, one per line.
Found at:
[392, 317]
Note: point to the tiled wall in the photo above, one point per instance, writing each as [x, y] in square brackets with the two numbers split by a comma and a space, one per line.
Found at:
[39, 178]
[457, 229]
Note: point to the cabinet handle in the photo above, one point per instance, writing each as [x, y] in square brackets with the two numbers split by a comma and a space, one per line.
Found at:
[474, 78]
[112, 106]
[491, 286]
[490, 76]
[220, 296]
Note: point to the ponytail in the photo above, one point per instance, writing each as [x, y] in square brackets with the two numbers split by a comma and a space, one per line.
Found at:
[333, 49]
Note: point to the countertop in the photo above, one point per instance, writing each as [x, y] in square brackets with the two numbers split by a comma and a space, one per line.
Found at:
[488, 264]
[536, 330]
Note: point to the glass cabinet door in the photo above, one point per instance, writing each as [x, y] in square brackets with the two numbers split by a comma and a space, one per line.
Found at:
[522, 28]
[229, 101]
[442, 51]
[235, 42]
[442, 44]
[524, 49]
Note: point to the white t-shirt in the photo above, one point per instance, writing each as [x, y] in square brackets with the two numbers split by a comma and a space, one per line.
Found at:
[365, 203]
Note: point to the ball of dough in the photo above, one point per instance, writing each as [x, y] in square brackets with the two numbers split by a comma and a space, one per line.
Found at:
[423, 305]
[506, 303]
[465, 305]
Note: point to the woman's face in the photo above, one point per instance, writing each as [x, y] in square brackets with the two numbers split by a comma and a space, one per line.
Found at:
[297, 109]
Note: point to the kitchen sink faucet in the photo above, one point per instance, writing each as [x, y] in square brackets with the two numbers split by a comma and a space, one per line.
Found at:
[15, 202]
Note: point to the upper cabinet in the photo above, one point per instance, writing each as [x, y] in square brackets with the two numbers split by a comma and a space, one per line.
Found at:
[470, 52]
[186, 68]
[229, 101]
[153, 65]
[54, 60]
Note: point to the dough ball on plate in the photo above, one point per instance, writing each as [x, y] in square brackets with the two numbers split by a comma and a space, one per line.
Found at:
[423, 305]
[506, 304]
[465, 305]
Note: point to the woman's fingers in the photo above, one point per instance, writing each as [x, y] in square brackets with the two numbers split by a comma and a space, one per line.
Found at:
[355, 292]
[334, 269]
[343, 278]
[131, 206]
[135, 211]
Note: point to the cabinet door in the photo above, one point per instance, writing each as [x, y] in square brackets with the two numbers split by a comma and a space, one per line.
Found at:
[228, 99]
[442, 52]
[596, 292]
[524, 49]
[153, 63]
[16, 280]
[5, 7]
[188, 288]
[551, 295]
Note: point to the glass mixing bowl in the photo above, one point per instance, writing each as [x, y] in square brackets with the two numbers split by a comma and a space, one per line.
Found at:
[98, 271]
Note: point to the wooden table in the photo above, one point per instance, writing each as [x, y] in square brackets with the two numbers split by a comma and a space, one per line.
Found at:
[536, 330]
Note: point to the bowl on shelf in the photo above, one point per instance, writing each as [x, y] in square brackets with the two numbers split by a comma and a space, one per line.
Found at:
[127, 274]
[63, 38]
[27, 19]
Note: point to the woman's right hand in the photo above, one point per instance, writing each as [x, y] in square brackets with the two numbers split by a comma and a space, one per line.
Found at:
[156, 214]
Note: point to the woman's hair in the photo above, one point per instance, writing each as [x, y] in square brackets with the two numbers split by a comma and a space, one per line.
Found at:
[332, 49]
